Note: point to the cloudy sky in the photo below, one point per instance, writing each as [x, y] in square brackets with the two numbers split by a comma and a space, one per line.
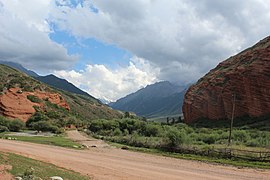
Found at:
[111, 48]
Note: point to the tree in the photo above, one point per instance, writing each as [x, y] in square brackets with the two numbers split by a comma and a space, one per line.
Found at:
[168, 120]
[15, 125]
[127, 115]
[173, 121]
[44, 126]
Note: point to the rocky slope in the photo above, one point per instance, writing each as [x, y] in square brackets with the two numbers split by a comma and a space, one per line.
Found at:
[15, 103]
[245, 76]
[21, 96]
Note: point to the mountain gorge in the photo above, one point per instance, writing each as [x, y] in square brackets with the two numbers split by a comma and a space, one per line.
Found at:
[159, 99]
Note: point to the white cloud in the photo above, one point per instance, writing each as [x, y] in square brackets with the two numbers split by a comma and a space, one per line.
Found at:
[178, 36]
[24, 36]
[103, 82]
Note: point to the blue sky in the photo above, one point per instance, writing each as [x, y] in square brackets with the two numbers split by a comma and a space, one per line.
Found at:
[111, 48]
[91, 51]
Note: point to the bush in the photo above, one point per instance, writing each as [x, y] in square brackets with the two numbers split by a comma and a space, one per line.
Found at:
[3, 129]
[252, 143]
[45, 126]
[3, 121]
[15, 125]
[33, 98]
[174, 138]
[240, 135]
[208, 138]
[152, 130]
[117, 132]
[95, 126]
[38, 116]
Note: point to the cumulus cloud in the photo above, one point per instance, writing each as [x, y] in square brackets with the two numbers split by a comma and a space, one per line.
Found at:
[24, 36]
[112, 84]
[183, 38]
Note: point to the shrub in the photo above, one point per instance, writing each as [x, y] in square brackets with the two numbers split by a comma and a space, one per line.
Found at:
[174, 138]
[208, 138]
[240, 135]
[252, 143]
[38, 116]
[3, 121]
[53, 114]
[33, 98]
[15, 125]
[95, 126]
[44, 126]
[117, 132]
[152, 130]
[3, 129]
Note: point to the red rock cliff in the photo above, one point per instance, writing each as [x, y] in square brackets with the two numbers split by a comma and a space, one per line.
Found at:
[15, 104]
[247, 75]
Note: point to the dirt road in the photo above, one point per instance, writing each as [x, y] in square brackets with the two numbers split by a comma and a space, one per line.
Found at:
[111, 163]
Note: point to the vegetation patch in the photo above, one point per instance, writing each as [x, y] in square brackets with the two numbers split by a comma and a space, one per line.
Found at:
[34, 99]
[10, 125]
[51, 140]
[248, 145]
[233, 162]
[32, 169]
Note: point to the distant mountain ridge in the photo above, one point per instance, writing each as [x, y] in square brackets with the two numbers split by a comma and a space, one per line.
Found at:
[20, 68]
[159, 99]
[62, 84]
[51, 79]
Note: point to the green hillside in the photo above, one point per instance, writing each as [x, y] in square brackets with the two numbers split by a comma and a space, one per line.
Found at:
[82, 108]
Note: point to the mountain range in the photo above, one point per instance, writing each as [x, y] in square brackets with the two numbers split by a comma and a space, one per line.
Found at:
[159, 99]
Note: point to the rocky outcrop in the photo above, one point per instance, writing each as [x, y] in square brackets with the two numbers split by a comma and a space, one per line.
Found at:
[245, 76]
[15, 104]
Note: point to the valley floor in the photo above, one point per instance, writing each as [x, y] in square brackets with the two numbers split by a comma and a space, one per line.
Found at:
[105, 162]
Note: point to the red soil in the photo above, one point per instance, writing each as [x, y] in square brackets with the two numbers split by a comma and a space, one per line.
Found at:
[15, 104]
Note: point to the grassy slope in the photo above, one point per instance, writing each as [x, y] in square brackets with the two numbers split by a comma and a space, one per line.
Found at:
[82, 107]
[41, 169]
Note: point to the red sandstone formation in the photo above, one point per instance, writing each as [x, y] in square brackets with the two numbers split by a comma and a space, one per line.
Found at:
[247, 75]
[15, 104]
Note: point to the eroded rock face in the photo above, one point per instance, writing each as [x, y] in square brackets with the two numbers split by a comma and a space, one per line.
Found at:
[247, 75]
[15, 104]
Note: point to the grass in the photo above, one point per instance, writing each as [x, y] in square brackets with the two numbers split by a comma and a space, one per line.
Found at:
[233, 162]
[52, 140]
[43, 170]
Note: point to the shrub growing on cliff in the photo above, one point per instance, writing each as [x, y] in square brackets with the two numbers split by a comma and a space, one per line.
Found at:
[38, 116]
[33, 98]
